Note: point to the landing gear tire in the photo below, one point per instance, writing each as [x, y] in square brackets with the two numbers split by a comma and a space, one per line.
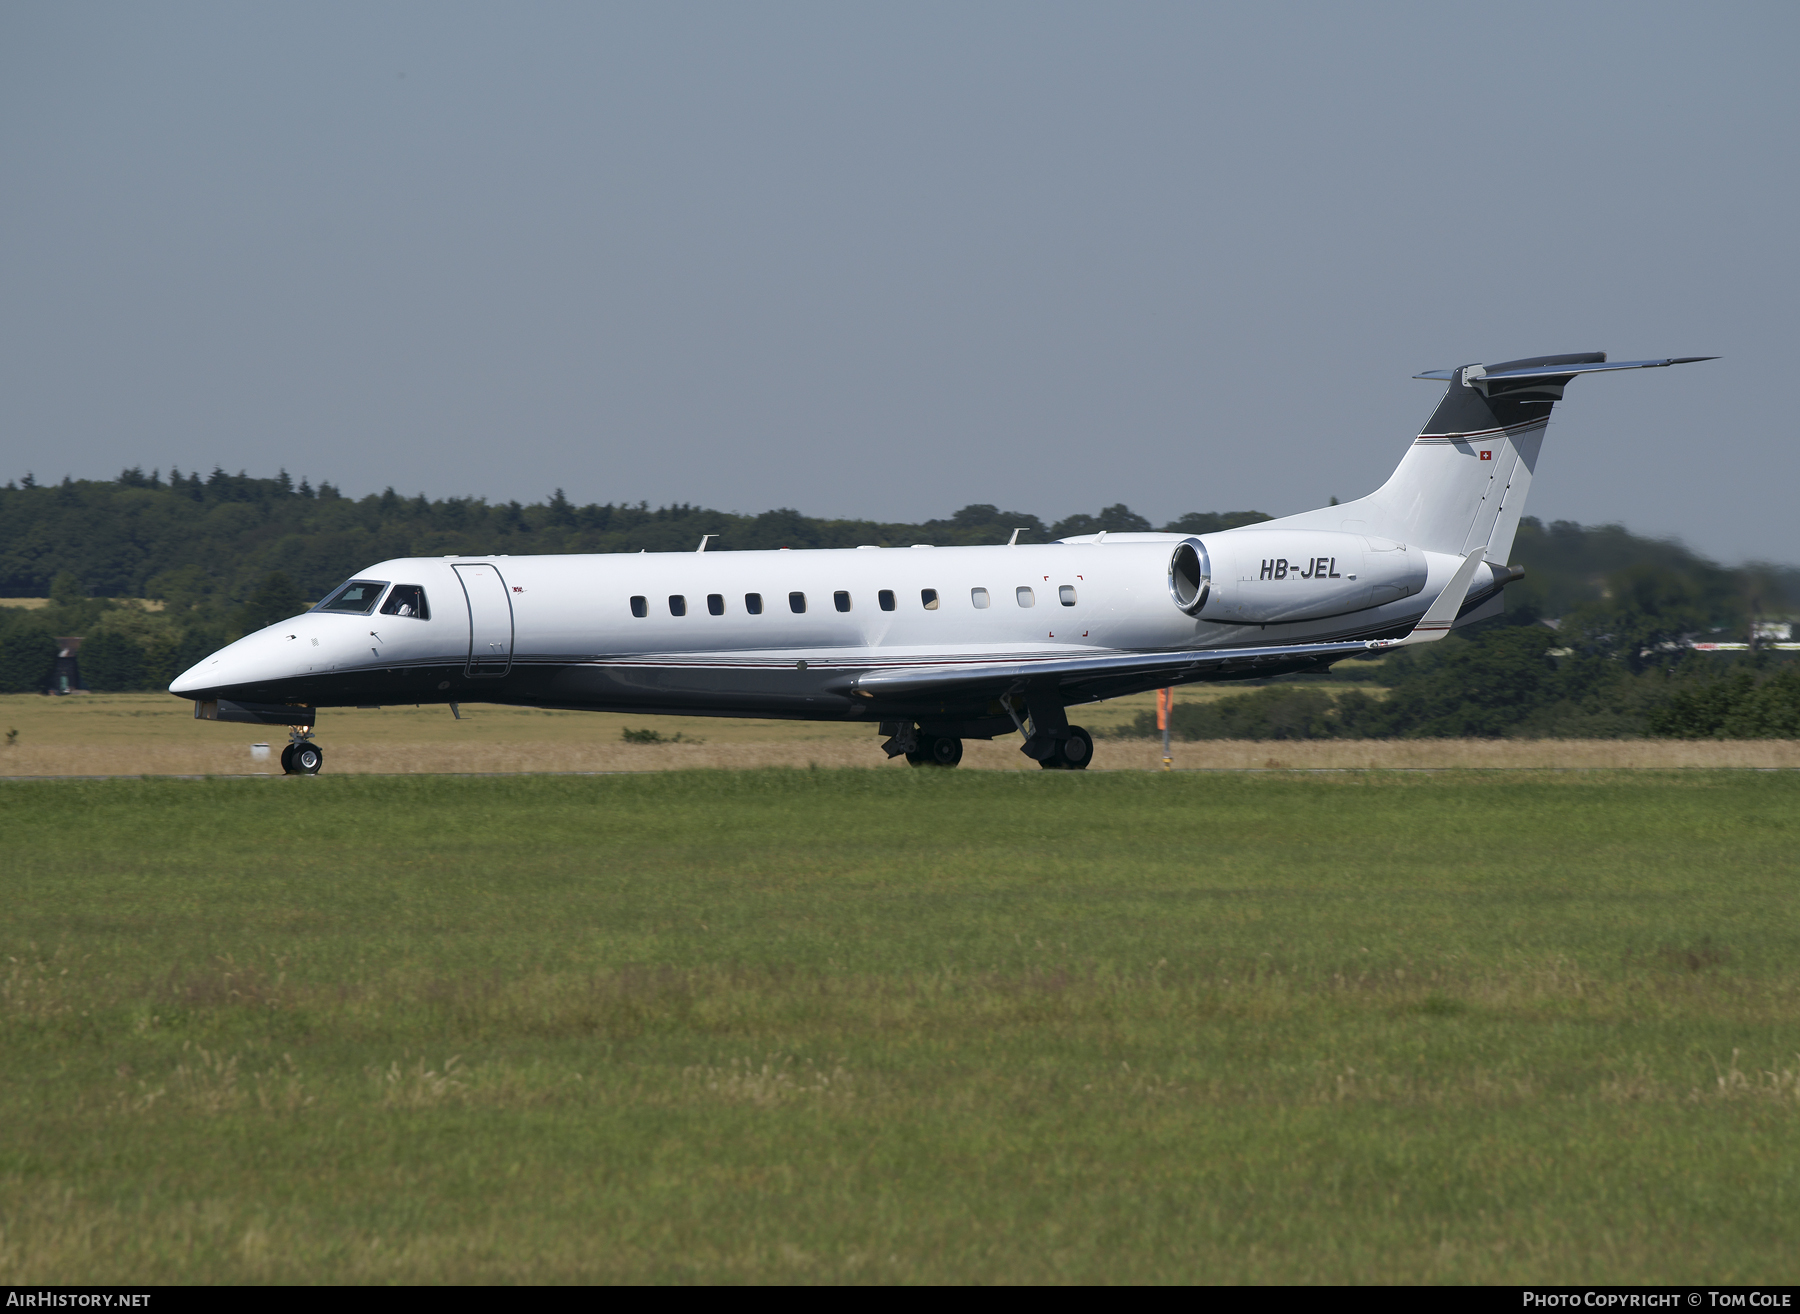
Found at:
[936, 751]
[302, 759]
[1072, 754]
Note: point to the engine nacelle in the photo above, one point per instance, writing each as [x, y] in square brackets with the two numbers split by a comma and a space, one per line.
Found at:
[1265, 577]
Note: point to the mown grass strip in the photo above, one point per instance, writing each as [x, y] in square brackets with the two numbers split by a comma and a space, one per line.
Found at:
[902, 1026]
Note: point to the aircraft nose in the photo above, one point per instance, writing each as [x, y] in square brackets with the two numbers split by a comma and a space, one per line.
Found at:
[195, 678]
[265, 655]
[224, 667]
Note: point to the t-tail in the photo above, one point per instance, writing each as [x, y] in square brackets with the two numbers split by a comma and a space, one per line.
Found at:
[1462, 484]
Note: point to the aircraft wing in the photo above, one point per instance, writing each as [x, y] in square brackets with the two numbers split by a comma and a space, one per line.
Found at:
[1078, 674]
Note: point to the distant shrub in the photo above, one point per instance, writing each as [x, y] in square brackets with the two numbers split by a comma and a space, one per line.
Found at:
[1279, 712]
[631, 736]
[1738, 706]
[27, 660]
[113, 663]
[1283, 711]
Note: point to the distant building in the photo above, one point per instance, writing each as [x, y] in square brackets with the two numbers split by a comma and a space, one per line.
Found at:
[65, 678]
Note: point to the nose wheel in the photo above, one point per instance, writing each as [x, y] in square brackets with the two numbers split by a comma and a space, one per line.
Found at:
[302, 757]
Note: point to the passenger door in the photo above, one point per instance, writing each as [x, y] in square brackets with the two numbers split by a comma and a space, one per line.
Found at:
[490, 619]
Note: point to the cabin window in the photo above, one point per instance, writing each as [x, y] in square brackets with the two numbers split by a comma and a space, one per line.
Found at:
[886, 599]
[715, 604]
[357, 597]
[677, 605]
[640, 607]
[979, 597]
[406, 600]
[796, 603]
[929, 598]
[753, 603]
[841, 600]
[1026, 597]
[1066, 595]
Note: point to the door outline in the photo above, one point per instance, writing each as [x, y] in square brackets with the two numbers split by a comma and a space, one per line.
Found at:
[489, 669]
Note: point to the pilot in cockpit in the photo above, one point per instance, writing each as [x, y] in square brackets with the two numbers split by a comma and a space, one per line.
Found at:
[406, 600]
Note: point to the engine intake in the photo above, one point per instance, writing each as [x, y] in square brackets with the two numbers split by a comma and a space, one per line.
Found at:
[1190, 575]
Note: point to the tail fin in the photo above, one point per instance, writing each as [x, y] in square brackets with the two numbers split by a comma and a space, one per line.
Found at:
[1463, 482]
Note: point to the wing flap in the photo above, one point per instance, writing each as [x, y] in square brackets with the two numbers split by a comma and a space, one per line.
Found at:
[1177, 667]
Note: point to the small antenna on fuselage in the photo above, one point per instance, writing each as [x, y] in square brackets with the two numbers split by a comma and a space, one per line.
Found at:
[704, 539]
[1014, 540]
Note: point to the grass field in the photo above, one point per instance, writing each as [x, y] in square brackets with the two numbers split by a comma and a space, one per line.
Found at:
[155, 734]
[902, 1026]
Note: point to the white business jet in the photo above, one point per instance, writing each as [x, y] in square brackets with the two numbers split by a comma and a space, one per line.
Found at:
[932, 645]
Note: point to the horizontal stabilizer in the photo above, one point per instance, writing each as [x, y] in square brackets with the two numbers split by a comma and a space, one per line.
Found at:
[1563, 367]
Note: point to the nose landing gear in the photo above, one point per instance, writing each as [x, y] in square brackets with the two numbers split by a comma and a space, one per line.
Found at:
[301, 757]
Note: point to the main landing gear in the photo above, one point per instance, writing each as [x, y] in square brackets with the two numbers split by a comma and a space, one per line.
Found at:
[1070, 754]
[921, 749]
[1051, 741]
[301, 757]
[936, 750]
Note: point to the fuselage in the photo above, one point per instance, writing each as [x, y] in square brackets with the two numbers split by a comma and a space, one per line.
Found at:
[779, 633]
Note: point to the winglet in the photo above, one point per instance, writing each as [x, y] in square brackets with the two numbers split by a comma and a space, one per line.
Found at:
[1441, 615]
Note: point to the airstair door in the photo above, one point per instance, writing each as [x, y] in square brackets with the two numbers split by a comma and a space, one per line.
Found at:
[490, 619]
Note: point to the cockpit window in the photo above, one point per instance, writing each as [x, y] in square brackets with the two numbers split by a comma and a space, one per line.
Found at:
[406, 600]
[357, 597]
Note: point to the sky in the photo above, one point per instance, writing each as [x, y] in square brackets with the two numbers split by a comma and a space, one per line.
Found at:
[883, 261]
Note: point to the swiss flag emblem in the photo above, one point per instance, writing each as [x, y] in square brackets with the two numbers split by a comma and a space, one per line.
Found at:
[1487, 456]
